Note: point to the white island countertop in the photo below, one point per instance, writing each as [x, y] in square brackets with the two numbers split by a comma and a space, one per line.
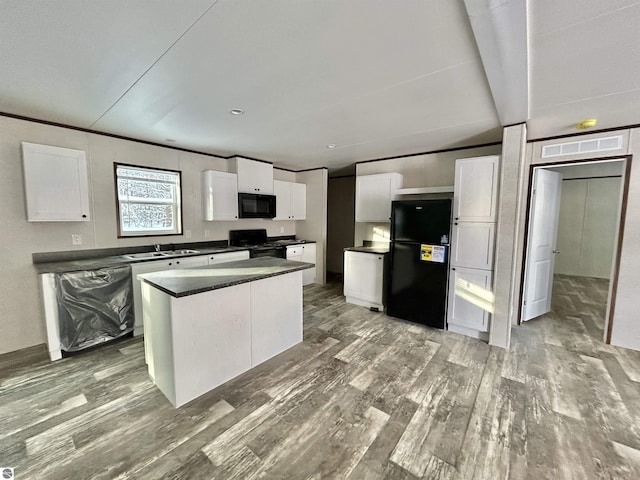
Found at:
[181, 283]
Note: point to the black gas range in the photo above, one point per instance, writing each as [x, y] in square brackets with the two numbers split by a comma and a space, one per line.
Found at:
[256, 241]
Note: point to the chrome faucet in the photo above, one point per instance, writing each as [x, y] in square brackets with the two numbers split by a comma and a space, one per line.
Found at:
[156, 246]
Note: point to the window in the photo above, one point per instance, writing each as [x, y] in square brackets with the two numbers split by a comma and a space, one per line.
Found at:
[148, 201]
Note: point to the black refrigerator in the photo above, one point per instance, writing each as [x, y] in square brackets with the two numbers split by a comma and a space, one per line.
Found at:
[419, 265]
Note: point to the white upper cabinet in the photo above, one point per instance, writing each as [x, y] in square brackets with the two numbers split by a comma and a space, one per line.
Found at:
[219, 195]
[291, 200]
[56, 184]
[472, 244]
[374, 194]
[253, 176]
[475, 196]
[298, 201]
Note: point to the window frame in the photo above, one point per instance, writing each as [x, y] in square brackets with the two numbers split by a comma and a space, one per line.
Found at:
[178, 202]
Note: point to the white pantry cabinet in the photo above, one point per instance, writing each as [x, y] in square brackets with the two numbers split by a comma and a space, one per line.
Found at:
[374, 194]
[219, 195]
[253, 176]
[363, 279]
[472, 244]
[470, 299]
[157, 266]
[291, 200]
[228, 257]
[475, 196]
[56, 184]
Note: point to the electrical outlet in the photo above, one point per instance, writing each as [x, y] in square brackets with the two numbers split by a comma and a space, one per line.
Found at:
[76, 239]
[187, 233]
[281, 229]
[207, 233]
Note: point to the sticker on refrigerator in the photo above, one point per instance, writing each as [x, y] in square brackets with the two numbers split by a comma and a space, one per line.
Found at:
[433, 253]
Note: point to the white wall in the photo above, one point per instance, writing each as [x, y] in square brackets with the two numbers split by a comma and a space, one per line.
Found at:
[315, 226]
[21, 319]
[589, 212]
[429, 170]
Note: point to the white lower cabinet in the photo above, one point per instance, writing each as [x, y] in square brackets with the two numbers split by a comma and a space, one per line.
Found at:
[470, 301]
[309, 256]
[157, 266]
[364, 279]
[304, 253]
[228, 257]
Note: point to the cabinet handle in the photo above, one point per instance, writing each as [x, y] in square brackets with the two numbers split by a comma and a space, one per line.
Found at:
[84, 216]
[177, 263]
[456, 218]
[170, 263]
[455, 223]
[453, 268]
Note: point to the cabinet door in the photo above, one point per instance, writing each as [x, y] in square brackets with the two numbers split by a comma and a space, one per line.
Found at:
[363, 276]
[470, 298]
[309, 256]
[373, 197]
[282, 192]
[298, 201]
[228, 257]
[187, 262]
[219, 195]
[138, 269]
[254, 176]
[472, 244]
[56, 184]
[475, 193]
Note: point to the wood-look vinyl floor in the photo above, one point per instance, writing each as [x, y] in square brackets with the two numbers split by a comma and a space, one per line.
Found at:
[363, 397]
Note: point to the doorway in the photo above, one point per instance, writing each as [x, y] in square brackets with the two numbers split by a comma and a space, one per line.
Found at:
[573, 238]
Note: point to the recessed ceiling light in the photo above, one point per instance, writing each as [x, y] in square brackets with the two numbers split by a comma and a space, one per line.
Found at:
[170, 140]
[332, 145]
[236, 111]
[588, 123]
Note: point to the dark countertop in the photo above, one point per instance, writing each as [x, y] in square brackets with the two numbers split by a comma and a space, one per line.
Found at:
[118, 260]
[189, 281]
[376, 250]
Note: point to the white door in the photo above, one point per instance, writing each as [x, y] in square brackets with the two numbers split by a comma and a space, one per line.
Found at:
[541, 244]
[282, 191]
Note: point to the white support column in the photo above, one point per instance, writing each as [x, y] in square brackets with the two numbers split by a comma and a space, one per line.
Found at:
[507, 269]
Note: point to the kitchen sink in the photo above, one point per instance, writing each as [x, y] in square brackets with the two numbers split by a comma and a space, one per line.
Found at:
[146, 255]
[180, 252]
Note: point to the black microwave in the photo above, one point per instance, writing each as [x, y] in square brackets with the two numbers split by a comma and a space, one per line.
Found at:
[251, 205]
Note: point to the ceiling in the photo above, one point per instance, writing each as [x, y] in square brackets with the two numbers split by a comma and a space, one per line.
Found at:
[375, 78]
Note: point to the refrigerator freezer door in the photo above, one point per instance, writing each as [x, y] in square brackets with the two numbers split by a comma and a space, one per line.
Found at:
[417, 289]
[424, 221]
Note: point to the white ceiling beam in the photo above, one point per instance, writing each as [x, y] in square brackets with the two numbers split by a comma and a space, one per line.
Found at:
[501, 33]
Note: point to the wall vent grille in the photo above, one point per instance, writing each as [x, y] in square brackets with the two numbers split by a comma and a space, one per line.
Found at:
[584, 146]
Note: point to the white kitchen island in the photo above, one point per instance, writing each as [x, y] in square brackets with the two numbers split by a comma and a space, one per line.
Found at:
[204, 326]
